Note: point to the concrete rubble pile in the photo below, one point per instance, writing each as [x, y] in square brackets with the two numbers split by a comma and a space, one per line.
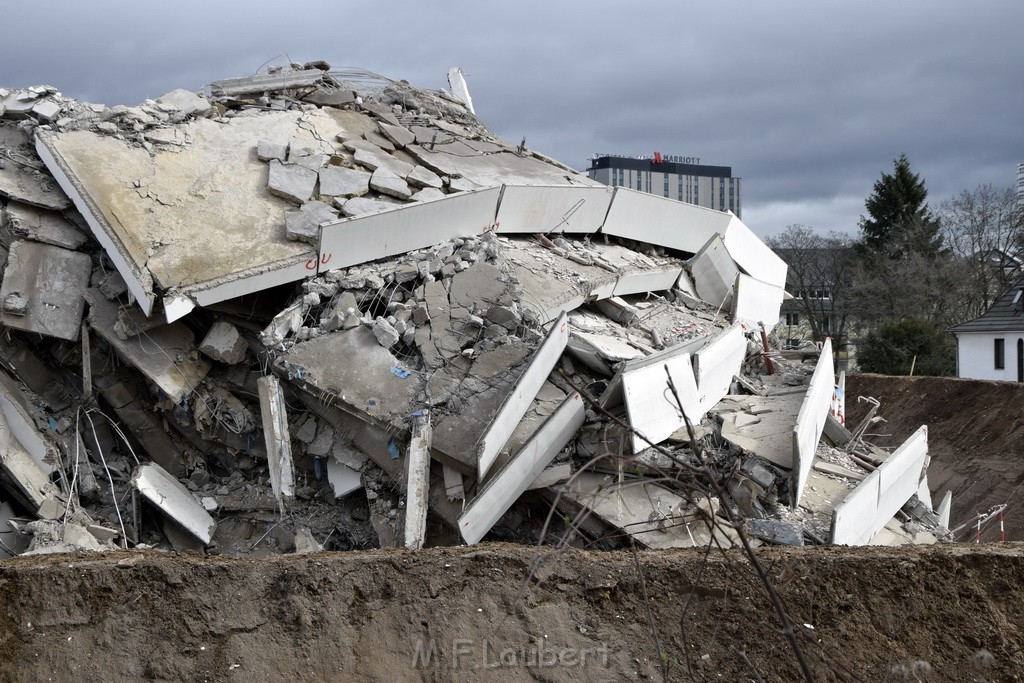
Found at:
[320, 309]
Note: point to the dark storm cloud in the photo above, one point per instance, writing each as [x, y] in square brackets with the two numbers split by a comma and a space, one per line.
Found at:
[808, 102]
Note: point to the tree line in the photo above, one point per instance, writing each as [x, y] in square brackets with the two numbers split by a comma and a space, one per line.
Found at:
[909, 274]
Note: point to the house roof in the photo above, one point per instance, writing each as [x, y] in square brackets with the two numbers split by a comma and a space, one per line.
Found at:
[1005, 314]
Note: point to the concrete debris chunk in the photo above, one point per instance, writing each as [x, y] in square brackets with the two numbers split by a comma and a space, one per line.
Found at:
[399, 135]
[267, 151]
[417, 483]
[183, 103]
[363, 206]
[265, 83]
[172, 498]
[291, 182]
[338, 181]
[330, 96]
[424, 178]
[41, 225]
[223, 343]
[386, 182]
[43, 288]
[304, 225]
[275, 432]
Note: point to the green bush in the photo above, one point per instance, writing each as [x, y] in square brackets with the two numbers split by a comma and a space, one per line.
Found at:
[891, 349]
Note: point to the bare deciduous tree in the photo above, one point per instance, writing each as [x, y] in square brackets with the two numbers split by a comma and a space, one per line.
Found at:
[984, 227]
[820, 276]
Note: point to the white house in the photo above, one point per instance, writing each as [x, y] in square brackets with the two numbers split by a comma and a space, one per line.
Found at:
[992, 345]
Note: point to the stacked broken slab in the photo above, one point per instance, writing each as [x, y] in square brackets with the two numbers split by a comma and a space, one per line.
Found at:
[325, 309]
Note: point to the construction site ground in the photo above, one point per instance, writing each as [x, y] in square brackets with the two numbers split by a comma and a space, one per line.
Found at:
[975, 439]
[486, 613]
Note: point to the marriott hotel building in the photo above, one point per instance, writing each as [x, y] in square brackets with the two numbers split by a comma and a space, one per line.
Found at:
[675, 177]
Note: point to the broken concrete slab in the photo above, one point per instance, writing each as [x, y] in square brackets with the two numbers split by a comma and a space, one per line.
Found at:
[509, 482]
[342, 478]
[181, 103]
[265, 83]
[386, 182]
[41, 225]
[12, 541]
[811, 421]
[427, 194]
[370, 388]
[643, 216]
[399, 135]
[362, 206]
[292, 182]
[50, 282]
[424, 178]
[304, 225]
[339, 181]
[172, 498]
[142, 207]
[275, 433]
[26, 181]
[753, 255]
[223, 343]
[329, 96]
[166, 355]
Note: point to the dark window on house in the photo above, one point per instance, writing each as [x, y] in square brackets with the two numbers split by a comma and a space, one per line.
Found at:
[792, 318]
[1000, 354]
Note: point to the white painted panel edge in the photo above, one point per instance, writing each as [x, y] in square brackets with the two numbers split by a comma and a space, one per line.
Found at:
[505, 487]
[659, 220]
[717, 362]
[552, 208]
[647, 281]
[752, 255]
[270, 275]
[757, 302]
[177, 502]
[413, 226]
[518, 402]
[851, 518]
[650, 405]
[810, 421]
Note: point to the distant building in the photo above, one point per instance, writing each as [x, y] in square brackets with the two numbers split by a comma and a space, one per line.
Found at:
[676, 177]
[992, 345]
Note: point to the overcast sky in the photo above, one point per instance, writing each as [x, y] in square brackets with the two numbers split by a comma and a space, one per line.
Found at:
[807, 101]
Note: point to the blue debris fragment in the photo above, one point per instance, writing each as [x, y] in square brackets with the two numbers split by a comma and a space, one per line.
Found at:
[393, 449]
[399, 372]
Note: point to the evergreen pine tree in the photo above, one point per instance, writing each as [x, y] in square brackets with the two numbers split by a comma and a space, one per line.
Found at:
[899, 221]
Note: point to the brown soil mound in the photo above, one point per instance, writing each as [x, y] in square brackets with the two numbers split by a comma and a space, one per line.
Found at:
[861, 614]
[975, 438]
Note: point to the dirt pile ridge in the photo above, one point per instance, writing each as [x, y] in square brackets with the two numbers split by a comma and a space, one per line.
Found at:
[975, 438]
[861, 614]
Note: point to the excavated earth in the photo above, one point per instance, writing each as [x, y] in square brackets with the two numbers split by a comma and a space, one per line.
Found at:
[936, 613]
[975, 439]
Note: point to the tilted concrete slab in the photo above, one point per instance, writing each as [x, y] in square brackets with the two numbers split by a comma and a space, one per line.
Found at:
[508, 483]
[811, 421]
[166, 355]
[378, 386]
[715, 365]
[15, 411]
[174, 500]
[518, 402]
[20, 182]
[553, 209]
[658, 220]
[195, 219]
[50, 280]
[882, 493]
[752, 255]
[41, 225]
[756, 302]
[714, 273]
[406, 228]
[650, 405]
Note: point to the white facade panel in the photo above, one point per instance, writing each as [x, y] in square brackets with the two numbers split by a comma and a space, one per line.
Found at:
[650, 405]
[754, 256]
[717, 363]
[666, 222]
[413, 226]
[811, 420]
[757, 302]
[529, 209]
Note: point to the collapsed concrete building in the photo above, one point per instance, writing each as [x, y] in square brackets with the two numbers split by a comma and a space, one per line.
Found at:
[317, 308]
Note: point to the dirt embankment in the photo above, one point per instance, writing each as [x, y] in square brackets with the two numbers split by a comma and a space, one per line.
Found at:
[975, 438]
[861, 614]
